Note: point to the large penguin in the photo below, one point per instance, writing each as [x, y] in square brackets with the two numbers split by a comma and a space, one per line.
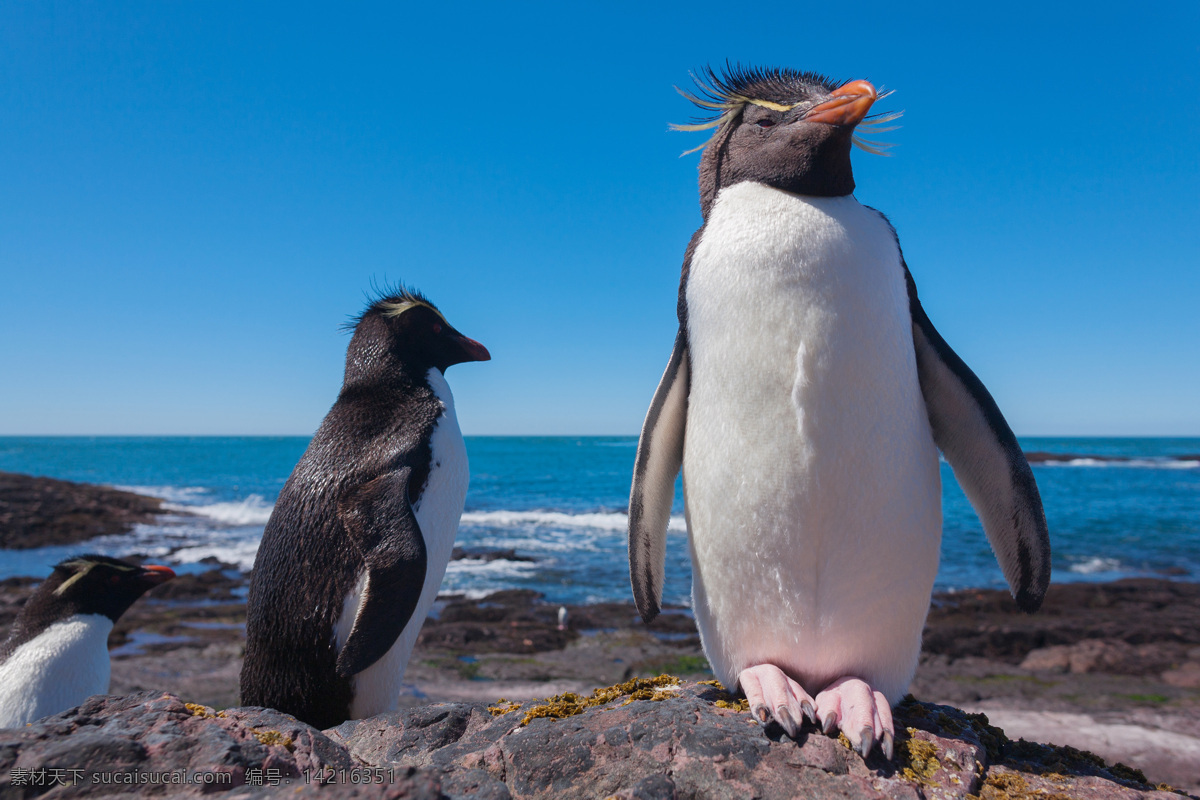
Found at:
[354, 552]
[56, 655]
[806, 399]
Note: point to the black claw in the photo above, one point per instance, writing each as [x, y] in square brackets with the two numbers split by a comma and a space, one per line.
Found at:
[785, 719]
[809, 711]
[867, 742]
[887, 744]
[830, 724]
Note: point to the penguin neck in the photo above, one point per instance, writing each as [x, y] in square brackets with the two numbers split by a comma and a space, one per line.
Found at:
[378, 367]
[820, 170]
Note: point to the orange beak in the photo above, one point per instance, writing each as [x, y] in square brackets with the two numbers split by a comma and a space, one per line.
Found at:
[154, 574]
[846, 106]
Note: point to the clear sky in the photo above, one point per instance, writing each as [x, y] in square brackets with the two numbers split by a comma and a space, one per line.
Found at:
[196, 195]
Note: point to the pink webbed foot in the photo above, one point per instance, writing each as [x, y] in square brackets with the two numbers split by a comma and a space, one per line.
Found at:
[864, 715]
[771, 694]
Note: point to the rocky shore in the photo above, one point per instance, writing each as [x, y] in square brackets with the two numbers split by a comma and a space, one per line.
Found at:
[1108, 672]
[644, 740]
[36, 512]
[1113, 669]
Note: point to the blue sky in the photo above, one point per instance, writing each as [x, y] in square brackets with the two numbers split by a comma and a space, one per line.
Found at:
[196, 195]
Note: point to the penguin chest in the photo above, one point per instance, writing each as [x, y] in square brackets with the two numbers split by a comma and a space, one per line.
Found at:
[56, 670]
[377, 688]
[810, 473]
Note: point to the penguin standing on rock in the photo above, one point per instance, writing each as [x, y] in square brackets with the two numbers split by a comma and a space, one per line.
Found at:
[806, 400]
[355, 550]
[56, 655]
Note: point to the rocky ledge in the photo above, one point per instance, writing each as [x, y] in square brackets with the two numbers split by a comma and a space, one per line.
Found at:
[36, 512]
[645, 740]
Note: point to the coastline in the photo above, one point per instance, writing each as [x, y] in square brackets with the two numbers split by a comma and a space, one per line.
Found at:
[1113, 668]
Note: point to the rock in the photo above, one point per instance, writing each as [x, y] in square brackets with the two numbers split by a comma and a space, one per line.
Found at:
[36, 512]
[1104, 655]
[1138, 611]
[644, 740]
[1187, 676]
[487, 555]
[108, 745]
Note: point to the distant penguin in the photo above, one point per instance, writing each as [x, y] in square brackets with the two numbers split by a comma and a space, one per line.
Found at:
[56, 655]
[806, 400]
[355, 550]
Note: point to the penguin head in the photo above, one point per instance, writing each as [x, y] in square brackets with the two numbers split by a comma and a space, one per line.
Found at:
[93, 584]
[404, 326]
[787, 129]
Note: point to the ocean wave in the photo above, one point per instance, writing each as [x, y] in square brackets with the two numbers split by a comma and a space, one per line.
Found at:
[254, 510]
[1140, 463]
[1095, 565]
[241, 554]
[172, 494]
[606, 521]
[498, 568]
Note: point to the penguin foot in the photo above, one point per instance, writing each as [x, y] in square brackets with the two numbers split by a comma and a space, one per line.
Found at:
[864, 715]
[771, 694]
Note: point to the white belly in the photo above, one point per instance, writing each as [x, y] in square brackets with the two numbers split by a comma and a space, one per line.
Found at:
[810, 474]
[63, 666]
[377, 688]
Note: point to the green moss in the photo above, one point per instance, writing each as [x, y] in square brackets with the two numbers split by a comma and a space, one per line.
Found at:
[991, 737]
[680, 665]
[1156, 699]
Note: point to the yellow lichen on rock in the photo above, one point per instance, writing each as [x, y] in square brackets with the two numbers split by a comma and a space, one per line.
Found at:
[272, 738]
[502, 707]
[741, 704]
[570, 703]
[204, 712]
[919, 758]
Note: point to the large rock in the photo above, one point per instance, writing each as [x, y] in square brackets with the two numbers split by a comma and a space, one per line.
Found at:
[645, 740]
[36, 512]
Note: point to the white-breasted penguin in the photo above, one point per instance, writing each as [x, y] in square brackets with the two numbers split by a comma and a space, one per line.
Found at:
[358, 542]
[806, 400]
[56, 655]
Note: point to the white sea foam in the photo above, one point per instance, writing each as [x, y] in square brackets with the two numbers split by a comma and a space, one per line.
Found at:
[254, 510]
[172, 494]
[1140, 463]
[240, 553]
[611, 521]
[1095, 565]
[498, 568]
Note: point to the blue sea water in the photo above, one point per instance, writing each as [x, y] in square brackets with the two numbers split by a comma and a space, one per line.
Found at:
[562, 500]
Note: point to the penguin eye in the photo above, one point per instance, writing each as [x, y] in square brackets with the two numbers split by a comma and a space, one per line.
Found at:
[765, 122]
[437, 327]
[115, 579]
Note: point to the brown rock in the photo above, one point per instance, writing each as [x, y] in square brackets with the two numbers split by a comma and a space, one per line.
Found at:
[36, 512]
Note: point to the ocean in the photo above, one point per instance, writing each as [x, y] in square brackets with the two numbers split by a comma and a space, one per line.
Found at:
[561, 502]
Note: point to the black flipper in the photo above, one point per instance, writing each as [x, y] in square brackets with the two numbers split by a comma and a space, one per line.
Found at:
[971, 432]
[380, 521]
[659, 458]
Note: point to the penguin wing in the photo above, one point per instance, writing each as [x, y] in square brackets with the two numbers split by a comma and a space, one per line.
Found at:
[659, 458]
[987, 461]
[380, 521]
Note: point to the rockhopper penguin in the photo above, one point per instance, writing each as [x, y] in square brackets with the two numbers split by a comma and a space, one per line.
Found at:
[56, 655]
[806, 399]
[358, 542]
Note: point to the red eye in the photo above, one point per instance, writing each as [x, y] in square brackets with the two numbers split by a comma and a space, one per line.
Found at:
[765, 123]
[115, 579]
[437, 327]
